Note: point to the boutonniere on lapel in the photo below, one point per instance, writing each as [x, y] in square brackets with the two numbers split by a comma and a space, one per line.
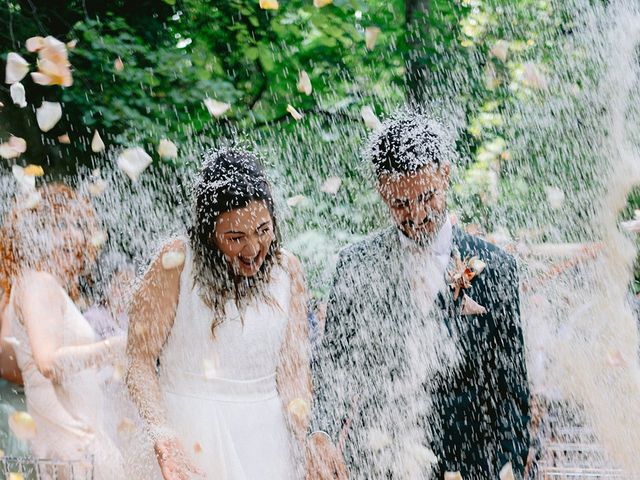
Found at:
[460, 275]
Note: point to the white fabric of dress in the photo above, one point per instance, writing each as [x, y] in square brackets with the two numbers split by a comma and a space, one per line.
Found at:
[69, 414]
[220, 391]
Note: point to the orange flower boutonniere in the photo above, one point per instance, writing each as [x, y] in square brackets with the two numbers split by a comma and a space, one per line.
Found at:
[460, 276]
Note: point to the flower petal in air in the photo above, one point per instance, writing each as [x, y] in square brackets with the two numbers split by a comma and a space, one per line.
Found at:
[172, 259]
[216, 108]
[18, 94]
[304, 83]
[34, 170]
[197, 448]
[64, 139]
[331, 185]
[40, 78]
[13, 147]
[167, 149]
[48, 115]
[369, 117]
[294, 113]
[27, 183]
[17, 68]
[321, 3]
[97, 187]
[34, 44]
[506, 472]
[133, 161]
[500, 50]
[72, 44]
[97, 145]
[269, 4]
[98, 239]
[298, 407]
[118, 64]
[15, 476]
[22, 425]
[452, 476]
[371, 36]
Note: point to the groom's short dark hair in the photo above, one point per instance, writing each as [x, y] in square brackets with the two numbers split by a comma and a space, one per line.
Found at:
[406, 142]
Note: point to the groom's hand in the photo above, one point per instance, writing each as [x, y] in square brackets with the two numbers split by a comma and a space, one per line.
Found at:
[324, 461]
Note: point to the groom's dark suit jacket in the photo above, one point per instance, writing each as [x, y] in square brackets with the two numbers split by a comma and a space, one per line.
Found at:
[479, 416]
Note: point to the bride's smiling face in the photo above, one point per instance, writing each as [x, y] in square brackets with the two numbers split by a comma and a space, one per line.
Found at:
[244, 236]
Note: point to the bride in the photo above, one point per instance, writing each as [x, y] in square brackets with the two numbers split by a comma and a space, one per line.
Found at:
[218, 340]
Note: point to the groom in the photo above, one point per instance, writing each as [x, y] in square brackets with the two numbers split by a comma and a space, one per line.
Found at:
[421, 373]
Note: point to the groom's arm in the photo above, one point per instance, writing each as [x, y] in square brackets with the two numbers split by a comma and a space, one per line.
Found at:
[512, 407]
[330, 366]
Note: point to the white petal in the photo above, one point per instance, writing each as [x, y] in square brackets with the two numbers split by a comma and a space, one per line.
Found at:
[331, 185]
[27, 183]
[555, 197]
[72, 43]
[34, 44]
[40, 78]
[215, 107]
[13, 147]
[133, 161]
[167, 149]
[304, 83]
[19, 144]
[97, 187]
[506, 472]
[452, 476]
[32, 200]
[295, 200]
[17, 68]
[97, 145]
[22, 425]
[48, 115]
[18, 94]
[371, 36]
[369, 117]
[98, 239]
[172, 259]
[294, 113]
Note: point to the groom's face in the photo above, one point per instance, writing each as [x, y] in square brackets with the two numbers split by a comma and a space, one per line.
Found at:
[417, 201]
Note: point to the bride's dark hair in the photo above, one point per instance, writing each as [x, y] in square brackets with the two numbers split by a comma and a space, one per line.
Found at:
[229, 179]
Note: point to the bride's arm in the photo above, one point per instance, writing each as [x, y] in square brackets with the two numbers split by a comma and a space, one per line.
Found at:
[294, 375]
[151, 317]
[40, 305]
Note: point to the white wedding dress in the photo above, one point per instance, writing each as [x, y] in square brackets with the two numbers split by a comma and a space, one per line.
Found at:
[68, 415]
[220, 392]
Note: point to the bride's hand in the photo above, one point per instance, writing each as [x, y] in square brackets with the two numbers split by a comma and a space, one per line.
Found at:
[323, 459]
[173, 462]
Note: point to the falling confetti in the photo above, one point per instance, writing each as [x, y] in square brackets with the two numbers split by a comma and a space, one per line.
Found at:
[331, 185]
[452, 476]
[26, 182]
[295, 200]
[34, 44]
[22, 425]
[216, 108]
[34, 170]
[98, 239]
[172, 259]
[294, 113]
[118, 64]
[369, 117]
[97, 145]
[48, 115]
[304, 83]
[64, 139]
[53, 64]
[371, 37]
[16, 68]
[321, 3]
[197, 448]
[506, 472]
[269, 4]
[133, 161]
[13, 148]
[18, 95]
[167, 149]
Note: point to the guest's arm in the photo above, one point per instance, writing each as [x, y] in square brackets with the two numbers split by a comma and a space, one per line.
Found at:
[512, 408]
[41, 305]
[294, 375]
[151, 317]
